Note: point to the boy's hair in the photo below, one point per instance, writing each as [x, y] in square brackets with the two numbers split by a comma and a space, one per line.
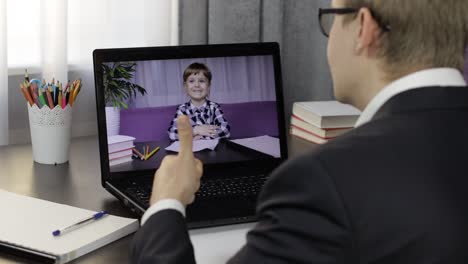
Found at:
[196, 68]
[423, 33]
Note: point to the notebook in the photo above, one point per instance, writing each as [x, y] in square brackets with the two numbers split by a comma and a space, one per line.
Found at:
[27, 224]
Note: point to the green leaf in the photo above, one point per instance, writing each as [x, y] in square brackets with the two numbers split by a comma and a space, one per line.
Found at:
[117, 83]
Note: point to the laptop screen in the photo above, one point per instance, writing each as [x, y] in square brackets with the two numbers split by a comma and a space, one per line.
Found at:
[234, 103]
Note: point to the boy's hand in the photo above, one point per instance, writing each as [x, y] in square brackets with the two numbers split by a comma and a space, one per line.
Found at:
[178, 177]
[206, 130]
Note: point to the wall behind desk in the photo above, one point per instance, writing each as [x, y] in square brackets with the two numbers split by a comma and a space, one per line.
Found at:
[84, 111]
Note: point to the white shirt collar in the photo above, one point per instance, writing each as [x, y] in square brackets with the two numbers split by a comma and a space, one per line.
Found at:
[201, 107]
[420, 79]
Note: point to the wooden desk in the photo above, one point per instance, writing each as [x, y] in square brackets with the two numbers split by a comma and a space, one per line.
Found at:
[78, 183]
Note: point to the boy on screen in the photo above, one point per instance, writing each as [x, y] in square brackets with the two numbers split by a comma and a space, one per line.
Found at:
[206, 117]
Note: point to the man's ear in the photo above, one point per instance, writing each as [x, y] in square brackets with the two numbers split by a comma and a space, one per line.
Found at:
[368, 34]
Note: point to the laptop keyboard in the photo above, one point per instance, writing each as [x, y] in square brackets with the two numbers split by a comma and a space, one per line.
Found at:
[242, 186]
[246, 186]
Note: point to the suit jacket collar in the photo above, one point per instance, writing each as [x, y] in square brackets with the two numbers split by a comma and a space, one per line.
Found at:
[424, 78]
[425, 99]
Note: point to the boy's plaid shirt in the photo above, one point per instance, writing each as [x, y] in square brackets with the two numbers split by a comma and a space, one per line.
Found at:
[209, 113]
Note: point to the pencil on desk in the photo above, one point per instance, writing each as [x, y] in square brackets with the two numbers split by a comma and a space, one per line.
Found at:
[151, 153]
[138, 153]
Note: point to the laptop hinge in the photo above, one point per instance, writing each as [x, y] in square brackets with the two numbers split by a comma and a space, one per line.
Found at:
[127, 201]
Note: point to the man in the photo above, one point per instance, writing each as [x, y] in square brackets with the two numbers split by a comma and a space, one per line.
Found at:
[393, 190]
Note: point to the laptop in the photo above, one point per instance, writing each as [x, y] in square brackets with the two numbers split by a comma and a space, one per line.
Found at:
[244, 105]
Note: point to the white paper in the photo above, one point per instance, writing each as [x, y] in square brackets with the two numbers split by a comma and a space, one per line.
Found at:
[198, 145]
[265, 144]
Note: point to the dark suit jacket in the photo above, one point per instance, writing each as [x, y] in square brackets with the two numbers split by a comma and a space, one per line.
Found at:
[394, 190]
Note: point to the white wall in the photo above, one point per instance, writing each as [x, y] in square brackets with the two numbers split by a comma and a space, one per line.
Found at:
[3, 77]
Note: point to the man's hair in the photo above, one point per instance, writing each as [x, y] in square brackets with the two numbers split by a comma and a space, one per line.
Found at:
[196, 68]
[423, 33]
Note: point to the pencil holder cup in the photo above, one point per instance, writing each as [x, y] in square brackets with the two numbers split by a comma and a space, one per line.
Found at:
[50, 133]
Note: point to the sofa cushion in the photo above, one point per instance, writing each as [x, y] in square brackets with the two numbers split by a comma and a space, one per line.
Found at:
[251, 119]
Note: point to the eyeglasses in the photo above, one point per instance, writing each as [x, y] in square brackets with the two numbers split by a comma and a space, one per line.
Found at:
[327, 17]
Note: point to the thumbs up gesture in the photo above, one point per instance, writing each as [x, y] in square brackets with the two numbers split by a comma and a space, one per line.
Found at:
[179, 175]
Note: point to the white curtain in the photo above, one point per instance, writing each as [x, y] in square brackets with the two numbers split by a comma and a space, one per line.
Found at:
[56, 38]
[3, 76]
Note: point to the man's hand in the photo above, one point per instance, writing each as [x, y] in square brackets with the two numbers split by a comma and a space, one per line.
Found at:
[178, 177]
[206, 130]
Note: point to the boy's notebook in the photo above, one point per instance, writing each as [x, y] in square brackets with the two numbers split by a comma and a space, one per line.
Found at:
[27, 223]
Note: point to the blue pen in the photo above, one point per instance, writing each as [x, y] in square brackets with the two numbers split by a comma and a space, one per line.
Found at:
[80, 223]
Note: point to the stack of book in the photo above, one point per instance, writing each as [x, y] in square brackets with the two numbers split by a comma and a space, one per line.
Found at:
[120, 149]
[321, 121]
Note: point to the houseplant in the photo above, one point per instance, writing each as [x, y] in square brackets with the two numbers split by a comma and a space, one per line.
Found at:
[118, 89]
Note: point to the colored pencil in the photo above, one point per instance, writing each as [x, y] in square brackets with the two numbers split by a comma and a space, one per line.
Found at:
[49, 98]
[138, 153]
[151, 153]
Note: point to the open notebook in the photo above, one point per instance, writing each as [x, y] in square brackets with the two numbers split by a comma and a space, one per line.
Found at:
[27, 224]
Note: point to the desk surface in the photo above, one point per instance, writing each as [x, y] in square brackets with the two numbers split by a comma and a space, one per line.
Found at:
[77, 183]
[224, 152]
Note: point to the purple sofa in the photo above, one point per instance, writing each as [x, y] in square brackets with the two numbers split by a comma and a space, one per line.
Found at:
[246, 120]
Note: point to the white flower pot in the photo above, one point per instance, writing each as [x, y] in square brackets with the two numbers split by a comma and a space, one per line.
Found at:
[112, 121]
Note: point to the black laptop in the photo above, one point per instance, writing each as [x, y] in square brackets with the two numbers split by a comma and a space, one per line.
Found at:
[149, 86]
